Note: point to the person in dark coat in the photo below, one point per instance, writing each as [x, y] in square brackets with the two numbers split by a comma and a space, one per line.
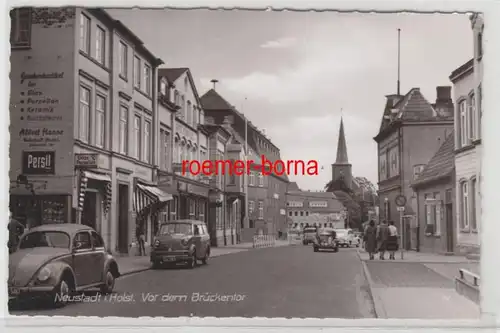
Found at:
[139, 235]
[16, 229]
[382, 236]
[370, 239]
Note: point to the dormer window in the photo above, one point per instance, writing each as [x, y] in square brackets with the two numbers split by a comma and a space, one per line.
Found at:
[163, 88]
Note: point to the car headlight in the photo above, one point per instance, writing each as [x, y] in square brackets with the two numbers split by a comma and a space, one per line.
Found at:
[185, 241]
[156, 243]
[44, 274]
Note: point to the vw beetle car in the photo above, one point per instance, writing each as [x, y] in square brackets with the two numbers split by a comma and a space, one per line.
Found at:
[326, 239]
[181, 241]
[57, 260]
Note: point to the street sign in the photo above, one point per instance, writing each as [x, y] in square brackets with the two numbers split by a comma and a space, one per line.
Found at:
[401, 209]
[400, 200]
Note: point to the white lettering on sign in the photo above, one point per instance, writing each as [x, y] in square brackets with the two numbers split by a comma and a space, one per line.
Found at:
[86, 159]
[318, 204]
[39, 162]
[295, 204]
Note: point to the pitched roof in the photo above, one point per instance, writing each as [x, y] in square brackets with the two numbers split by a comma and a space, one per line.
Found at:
[341, 146]
[171, 74]
[293, 186]
[441, 164]
[211, 100]
[414, 106]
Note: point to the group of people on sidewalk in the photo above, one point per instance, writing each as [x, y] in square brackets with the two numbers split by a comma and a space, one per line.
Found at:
[380, 239]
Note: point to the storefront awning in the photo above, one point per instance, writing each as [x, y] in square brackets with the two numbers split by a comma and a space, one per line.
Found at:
[146, 196]
[97, 176]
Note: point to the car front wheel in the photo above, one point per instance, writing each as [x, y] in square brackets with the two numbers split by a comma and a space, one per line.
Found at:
[61, 293]
[205, 258]
[109, 283]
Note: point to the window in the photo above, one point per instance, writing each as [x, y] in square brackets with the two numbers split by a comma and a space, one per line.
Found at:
[164, 144]
[479, 110]
[147, 79]
[163, 88]
[183, 106]
[20, 25]
[137, 72]
[123, 60]
[307, 213]
[417, 169]
[436, 213]
[251, 179]
[250, 207]
[479, 45]
[301, 213]
[464, 205]
[192, 208]
[176, 98]
[201, 210]
[195, 116]
[473, 202]
[290, 213]
[147, 142]
[100, 120]
[100, 45]
[173, 208]
[189, 113]
[85, 34]
[472, 117]
[84, 134]
[261, 180]
[82, 241]
[261, 209]
[296, 213]
[123, 131]
[137, 137]
[96, 240]
[462, 107]
[232, 176]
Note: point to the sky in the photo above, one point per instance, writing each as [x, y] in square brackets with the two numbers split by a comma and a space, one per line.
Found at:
[294, 74]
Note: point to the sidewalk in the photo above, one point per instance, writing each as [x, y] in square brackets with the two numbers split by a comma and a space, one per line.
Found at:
[421, 286]
[134, 264]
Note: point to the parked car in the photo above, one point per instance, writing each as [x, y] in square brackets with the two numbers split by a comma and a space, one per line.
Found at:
[56, 260]
[185, 241]
[326, 239]
[309, 235]
[345, 237]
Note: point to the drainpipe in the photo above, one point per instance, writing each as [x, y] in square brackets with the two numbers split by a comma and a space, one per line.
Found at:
[112, 228]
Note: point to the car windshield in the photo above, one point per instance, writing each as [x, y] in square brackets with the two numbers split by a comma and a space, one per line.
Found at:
[176, 228]
[309, 230]
[45, 239]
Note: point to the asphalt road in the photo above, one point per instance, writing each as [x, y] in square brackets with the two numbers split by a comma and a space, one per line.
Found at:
[277, 282]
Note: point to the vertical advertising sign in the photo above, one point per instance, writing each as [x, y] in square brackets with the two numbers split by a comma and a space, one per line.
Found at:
[42, 102]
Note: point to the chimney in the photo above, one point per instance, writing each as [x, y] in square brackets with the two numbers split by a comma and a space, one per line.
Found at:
[443, 94]
[226, 122]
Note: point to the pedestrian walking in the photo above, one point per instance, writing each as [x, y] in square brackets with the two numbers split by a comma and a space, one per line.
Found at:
[370, 239]
[392, 241]
[382, 236]
[139, 235]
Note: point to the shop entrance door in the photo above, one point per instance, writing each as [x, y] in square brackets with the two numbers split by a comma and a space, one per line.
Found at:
[89, 213]
[123, 218]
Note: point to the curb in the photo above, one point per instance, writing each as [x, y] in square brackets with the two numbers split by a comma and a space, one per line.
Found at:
[149, 268]
[420, 262]
[377, 302]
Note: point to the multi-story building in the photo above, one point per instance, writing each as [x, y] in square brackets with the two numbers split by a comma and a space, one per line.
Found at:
[306, 208]
[468, 113]
[411, 131]
[83, 122]
[266, 194]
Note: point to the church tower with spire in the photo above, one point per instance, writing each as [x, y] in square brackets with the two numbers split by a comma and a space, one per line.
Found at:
[342, 169]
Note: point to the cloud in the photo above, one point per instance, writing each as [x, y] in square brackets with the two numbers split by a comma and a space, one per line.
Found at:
[280, 43]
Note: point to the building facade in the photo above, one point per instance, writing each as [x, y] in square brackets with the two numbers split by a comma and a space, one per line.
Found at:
[435, 192]
[266, 194]
[319, 209]
[411, 131]
[78, 107]
[467, 81]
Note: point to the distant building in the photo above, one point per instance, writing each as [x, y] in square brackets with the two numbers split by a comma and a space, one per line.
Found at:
[411, 131]
[467, 83]
[306, 208]
[266, 194]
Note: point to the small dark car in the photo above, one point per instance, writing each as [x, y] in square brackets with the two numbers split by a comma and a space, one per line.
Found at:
[181, 241]
[326, 239]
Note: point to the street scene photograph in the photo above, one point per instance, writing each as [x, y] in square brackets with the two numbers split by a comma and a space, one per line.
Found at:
[236, 163]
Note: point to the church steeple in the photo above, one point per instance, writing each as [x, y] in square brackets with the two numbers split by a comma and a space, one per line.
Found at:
[342, 146]
[342, 169]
